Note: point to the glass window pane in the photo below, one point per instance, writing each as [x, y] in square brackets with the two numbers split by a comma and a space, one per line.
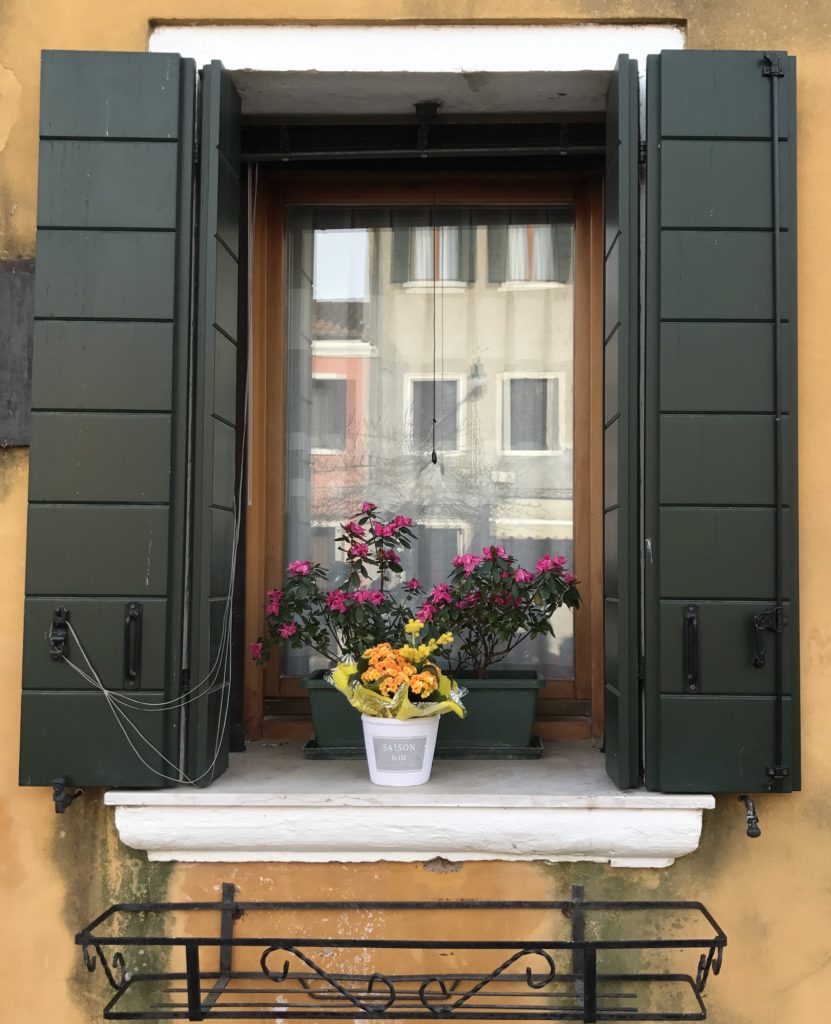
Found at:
[361, 357]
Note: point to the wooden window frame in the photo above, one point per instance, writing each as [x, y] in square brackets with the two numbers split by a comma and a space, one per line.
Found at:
[265, 556]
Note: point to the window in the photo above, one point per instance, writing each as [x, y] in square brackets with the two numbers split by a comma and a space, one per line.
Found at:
[435, 254]
[678, 413]
[426, 398]
[534, 249]
[328, 431]
[470, 359]
[531, 414]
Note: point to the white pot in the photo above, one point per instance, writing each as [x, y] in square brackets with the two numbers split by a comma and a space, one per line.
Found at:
[400, 753]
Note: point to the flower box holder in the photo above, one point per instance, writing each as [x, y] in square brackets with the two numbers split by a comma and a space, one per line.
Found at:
[499, 722]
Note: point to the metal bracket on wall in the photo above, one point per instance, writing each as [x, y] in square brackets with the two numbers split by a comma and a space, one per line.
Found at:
[62, 796]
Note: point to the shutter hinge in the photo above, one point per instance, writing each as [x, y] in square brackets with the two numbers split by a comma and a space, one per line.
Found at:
[185, 678]
[771, 620]
[642, 153]
[772, 66]
[197, 150]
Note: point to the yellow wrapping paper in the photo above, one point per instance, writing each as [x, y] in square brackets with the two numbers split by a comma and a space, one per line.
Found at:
[368, 702]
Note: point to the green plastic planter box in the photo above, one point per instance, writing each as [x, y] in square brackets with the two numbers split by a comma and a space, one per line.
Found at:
[499, 722]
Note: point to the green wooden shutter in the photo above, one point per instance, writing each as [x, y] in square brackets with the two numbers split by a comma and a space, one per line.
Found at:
[712, 383]
[107, 480]
[497, 251]
[214, 476]
[620, 428]
[467, 253]
[400, 254]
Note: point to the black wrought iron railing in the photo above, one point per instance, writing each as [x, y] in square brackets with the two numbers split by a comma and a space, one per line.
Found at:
[574, 959]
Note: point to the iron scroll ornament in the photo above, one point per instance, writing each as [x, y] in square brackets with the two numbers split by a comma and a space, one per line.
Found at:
[374, 1008]
[91, 961]
[530, 980]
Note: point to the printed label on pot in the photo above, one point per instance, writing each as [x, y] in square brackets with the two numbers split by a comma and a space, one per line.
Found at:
[399, 755]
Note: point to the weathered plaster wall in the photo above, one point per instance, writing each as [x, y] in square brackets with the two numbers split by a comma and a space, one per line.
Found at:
[773, 896]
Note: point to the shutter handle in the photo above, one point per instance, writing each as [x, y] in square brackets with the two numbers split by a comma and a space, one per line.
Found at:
[689, 641]
[132, 645]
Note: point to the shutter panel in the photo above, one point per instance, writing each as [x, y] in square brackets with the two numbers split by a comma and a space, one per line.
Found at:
[214, 475]
[620, 433]
[497, 252]
[106, 494]
[720, 373]
[400, 254]
[467, 253]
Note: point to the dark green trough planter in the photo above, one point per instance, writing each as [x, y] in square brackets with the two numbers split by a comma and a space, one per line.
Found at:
[499, 722]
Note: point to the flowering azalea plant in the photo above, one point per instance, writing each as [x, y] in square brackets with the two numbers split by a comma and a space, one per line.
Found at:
[491, 604]
[400, 682]
[356, 615]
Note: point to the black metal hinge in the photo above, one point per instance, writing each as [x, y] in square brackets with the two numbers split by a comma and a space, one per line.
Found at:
[772, 66]
[642, 153]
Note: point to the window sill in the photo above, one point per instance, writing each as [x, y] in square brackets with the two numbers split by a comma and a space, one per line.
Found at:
[426, 287]
[271, 805]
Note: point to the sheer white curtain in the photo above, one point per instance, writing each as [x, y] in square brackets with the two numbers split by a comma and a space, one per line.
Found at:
[431, 246]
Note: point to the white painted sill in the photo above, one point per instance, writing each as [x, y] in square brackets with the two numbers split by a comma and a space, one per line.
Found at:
[272, 805]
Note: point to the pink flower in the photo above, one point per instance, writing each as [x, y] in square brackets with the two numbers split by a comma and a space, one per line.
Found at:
[358, 550]
[412, 584]
[288, 630]
[494, 551]
[470, 601]
[368, 506]
[376, 597]
[274, 598]
[523, 576]
[354, 528]
[336, 601]
[383, 529]
[569, 578]
[441, 594]
[549, 564]
[390, 555]
[400, 521]
[300, 568]
[256, 650]
[425, 612]
[470, 562]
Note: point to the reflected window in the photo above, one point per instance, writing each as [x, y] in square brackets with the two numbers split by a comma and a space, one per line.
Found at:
[427, 397]
[531, 414]
[434, 254]
[328, 414]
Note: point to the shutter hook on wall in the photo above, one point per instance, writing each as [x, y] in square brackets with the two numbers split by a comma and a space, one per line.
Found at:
[62, 796]
[751, 817]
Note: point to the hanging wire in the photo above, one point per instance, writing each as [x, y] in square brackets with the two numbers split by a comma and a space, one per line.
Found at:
[436, 268]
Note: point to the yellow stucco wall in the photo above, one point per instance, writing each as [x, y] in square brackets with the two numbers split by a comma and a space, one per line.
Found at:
[772, 896]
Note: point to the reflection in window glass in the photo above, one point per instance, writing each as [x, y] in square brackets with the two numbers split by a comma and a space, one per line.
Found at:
[434, 253]
[445, 395]
[363, 355]
[328, 414]
[531, 414]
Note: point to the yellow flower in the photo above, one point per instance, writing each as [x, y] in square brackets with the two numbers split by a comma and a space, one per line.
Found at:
[414, 627]
[445, 639]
